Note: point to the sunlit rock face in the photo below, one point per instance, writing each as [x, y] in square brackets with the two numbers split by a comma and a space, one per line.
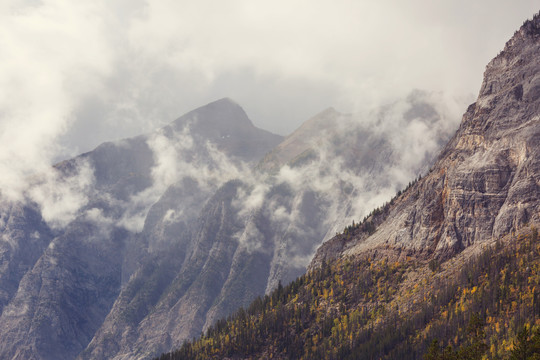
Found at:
[485, 182]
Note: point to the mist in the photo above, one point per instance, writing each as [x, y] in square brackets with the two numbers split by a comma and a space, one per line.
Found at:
[74, 75]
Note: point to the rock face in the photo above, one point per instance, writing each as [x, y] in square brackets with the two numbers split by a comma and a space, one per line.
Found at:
[24, 238]
[64, 297]
[169, 295]
[58, 284]
[486, 182]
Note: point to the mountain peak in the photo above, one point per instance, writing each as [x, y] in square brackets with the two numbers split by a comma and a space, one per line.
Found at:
[528, 33]
[226, 101]
[222, 112]
[225, 123]
[301, 140]
[224, 104]
[329, 111]
[313, 127]
[532, 27]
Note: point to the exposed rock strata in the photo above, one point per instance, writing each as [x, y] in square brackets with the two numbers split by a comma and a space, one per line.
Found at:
[486, 182]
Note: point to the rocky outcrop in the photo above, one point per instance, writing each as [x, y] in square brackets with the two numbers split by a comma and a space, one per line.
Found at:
[486, 182]
[24, 238]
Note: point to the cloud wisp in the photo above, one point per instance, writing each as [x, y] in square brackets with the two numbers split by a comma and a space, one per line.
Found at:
[352, 169]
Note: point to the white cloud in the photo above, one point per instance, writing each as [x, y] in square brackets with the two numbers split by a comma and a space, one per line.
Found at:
[52, 55]
[61, 197]
[96, 216]
[179, 156]
[127, 66]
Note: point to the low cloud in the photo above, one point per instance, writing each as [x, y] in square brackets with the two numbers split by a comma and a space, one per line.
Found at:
[52, 56]
[356, 166]
[177, 156]
[60, 197]
[345, 181]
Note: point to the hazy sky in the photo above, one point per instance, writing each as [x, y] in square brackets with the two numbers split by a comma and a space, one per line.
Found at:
[76, 73]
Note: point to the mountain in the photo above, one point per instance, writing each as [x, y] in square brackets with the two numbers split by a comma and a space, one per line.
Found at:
[130, 249]
[300, 143]
[225, 124]
[255, 231]
[453, 258]
[60, 275]
[125, 167]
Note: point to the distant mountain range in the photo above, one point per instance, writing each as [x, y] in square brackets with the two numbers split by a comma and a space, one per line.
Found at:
[178, 228]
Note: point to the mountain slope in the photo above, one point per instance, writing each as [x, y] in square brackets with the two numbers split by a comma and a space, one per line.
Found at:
[376, 291]
[365, 308]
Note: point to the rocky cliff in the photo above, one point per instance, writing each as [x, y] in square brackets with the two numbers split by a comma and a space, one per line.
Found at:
[485, 183]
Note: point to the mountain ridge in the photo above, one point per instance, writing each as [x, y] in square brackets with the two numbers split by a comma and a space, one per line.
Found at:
[176, 228]
[120, 180]
[295, 145]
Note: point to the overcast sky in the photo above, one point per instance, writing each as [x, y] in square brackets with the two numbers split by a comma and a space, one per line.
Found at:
[76, 73]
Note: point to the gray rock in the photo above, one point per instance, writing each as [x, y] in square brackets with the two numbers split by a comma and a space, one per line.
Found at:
[24, 237]
[485, 183]
[56, 293]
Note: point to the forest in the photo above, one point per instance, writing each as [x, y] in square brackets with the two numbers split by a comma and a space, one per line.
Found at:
[487, 307]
